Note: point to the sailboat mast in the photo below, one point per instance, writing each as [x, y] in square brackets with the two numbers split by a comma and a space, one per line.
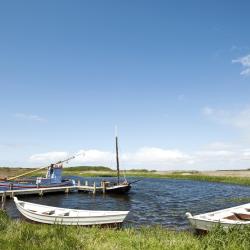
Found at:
[117, 160]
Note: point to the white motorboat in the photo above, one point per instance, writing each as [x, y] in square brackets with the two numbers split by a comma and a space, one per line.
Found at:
[235, 216]
[66, 216]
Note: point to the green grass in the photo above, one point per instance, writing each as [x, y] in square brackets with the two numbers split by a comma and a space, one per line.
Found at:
[88, 168]
[100, 171]
[223, 179]
[141, 174]
[23, 235]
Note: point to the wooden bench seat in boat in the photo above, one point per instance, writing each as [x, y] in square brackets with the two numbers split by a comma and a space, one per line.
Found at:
[49, 212]
[239, 217]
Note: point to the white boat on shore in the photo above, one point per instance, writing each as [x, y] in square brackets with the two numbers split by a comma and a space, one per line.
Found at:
[235, 216]
[66, 216]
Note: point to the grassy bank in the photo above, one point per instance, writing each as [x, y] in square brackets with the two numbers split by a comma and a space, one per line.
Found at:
[198, 176]
[23, 235]
[88, 171]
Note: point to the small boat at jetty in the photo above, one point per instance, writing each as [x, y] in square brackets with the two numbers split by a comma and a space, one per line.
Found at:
[227, 218]
[53, 178]
[66, 216]
[119, 187]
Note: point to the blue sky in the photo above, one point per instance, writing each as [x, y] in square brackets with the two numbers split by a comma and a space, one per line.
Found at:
[174, 76]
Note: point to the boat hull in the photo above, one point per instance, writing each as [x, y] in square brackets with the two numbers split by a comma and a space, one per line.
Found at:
[119, 189]
[205, 226]
[97, 217]
[238, 216]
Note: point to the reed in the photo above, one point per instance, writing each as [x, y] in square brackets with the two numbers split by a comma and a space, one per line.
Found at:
[16, 234]
[140, 174]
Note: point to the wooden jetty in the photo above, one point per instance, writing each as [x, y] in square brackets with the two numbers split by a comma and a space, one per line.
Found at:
[41, 191]
[66, 189]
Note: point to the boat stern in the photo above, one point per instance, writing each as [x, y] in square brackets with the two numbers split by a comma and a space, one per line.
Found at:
[15, 199]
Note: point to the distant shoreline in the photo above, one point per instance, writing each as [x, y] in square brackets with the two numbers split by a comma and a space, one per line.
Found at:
[241, 177]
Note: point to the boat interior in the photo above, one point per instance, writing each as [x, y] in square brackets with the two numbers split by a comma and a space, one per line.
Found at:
[238, 216]
[54, 211]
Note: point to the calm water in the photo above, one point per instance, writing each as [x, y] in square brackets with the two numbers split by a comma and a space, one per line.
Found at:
[151, 201]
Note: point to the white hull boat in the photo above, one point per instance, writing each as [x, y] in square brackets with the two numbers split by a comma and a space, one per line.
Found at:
[66, 216]
[231, 217]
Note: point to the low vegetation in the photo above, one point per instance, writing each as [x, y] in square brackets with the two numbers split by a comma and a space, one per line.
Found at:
[15, 234]
[192, 175]
[223, 179]
[101, 171]
[88, 168]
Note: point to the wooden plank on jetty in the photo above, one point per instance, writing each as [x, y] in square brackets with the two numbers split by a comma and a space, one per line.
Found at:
[41, 191]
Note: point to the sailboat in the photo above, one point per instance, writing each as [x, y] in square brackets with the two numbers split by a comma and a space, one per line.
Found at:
[119, 187]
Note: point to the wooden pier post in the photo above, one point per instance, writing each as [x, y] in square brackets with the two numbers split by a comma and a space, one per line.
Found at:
[94, 190]
[103, 187]
[67, 190]
[3, 201]
[41, 193]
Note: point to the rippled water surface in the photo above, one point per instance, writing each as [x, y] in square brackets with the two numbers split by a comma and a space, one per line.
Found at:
[150, 201]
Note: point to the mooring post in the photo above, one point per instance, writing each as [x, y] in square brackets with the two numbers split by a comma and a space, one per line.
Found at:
[94, 190]
[86, 183]
[3, 201]
[103, 187]
[67, 190]
[41, 193]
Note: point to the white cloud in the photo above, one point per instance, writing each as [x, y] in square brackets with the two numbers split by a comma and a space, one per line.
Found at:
[214, 156]
[153, 155]
[245, 72]
[239, 119]
[245, 62]
[219, 145]
[149, 157]
[207, 111]
[48, 157]
[30, 117]
[94, 156]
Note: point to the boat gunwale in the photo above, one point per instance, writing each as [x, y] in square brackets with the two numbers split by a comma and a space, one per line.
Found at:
[222, 210]
[114, 213]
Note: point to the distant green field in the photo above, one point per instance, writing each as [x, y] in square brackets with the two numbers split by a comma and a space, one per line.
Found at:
[88, 168]
[102, 171]
[194, 175]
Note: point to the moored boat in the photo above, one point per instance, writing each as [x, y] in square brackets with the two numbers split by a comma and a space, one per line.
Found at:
[227, 218]
[53, 178]
[66, 216]
[117, 187]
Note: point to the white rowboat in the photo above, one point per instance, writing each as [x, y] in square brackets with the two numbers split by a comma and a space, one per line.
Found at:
[227, 218]
[66, 216]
